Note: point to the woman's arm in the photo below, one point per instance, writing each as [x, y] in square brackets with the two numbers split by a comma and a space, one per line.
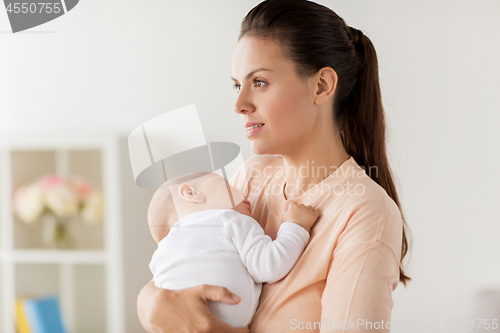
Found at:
[364, 271]
[359, 288]
[182, 311]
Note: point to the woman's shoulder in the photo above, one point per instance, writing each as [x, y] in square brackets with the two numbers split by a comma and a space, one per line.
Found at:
[361, 189]
[374, 215]
[366, 194]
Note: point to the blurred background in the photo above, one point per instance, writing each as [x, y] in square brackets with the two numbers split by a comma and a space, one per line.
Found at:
[71, 91]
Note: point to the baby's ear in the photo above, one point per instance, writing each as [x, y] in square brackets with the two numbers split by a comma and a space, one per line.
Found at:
[190, 193]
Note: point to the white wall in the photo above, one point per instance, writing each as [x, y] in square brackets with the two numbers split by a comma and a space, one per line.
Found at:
[115, 64]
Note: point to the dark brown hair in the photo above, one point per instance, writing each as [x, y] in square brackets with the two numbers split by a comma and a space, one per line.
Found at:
[313, 36]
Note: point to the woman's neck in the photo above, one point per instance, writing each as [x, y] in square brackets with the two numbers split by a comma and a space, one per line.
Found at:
[309, 165]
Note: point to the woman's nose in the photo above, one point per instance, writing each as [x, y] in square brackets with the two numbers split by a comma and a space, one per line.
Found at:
[243, 104]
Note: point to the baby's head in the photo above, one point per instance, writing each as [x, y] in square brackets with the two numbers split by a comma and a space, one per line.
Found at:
[191, 193]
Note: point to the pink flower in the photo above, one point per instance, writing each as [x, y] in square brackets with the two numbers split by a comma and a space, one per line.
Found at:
[62, 196]
[51, 180]
[82, 188]
[62, 200]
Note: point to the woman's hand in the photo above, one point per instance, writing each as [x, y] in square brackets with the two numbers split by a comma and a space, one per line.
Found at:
[184, 310]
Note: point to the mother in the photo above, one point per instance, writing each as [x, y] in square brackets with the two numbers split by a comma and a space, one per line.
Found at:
[311, 82]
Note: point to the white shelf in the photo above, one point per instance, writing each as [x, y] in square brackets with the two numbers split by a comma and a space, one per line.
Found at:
[58, 257]
[23, 269]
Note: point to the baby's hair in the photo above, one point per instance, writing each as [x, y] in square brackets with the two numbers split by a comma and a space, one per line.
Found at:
[161, 213]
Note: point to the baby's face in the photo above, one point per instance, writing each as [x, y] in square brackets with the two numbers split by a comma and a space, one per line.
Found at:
[216, 191]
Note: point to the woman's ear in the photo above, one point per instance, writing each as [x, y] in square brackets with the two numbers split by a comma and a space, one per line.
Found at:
[326, 82]
[190, 193]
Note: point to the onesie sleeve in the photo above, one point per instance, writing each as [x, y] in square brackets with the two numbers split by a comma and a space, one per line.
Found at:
[364, 270]
[266, 260]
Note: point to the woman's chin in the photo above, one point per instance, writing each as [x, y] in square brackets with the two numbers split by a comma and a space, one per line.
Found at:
[259, 148]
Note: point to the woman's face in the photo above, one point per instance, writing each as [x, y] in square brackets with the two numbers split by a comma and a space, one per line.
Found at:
[270, 93]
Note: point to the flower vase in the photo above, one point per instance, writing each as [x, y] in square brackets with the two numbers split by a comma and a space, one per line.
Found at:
[56, 235]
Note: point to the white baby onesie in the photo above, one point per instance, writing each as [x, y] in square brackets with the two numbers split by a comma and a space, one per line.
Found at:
[223, 247]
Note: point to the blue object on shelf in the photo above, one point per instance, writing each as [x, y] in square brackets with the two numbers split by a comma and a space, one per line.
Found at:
[43, 315]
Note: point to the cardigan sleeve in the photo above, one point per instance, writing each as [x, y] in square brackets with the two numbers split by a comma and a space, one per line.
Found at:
[364, 270]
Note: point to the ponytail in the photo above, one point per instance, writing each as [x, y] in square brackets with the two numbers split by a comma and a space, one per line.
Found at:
[313, 37]
[361, 122]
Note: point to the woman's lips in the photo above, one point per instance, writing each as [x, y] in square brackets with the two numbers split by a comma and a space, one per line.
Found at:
[253, 131]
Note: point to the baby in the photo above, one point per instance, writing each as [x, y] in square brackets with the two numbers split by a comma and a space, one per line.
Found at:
[206, 235]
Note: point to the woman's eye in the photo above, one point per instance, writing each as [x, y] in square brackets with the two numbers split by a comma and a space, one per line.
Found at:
[257, 82]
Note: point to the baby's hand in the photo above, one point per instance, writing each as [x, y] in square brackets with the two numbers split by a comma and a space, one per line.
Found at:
[303, 215]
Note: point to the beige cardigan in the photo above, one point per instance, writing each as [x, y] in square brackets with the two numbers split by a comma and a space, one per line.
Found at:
[348, 271]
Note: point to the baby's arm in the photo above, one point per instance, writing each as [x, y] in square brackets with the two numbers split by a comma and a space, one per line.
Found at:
[266, 260]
